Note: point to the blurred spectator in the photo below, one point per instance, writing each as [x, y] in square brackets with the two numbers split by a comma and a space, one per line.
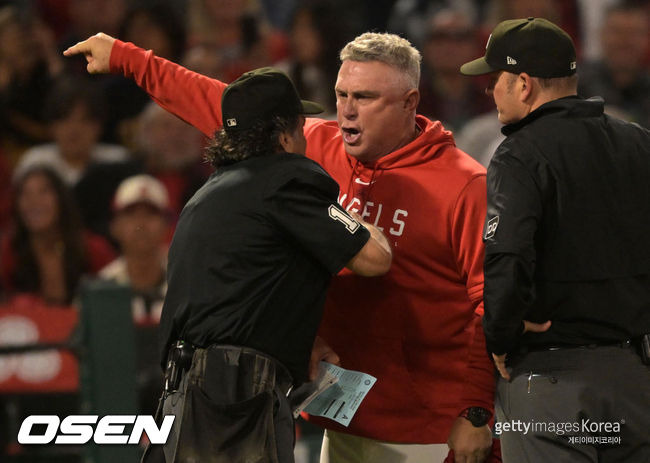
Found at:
[75, 110]
[411, 18]
[561, 12]
[56, 14]
[279, 12]
[87, 17]
[205, 59]
[480, 137]
[622, 76]
[374, 16]
[140, 226]
[172, 151]
[591, 14]
[444, 93]
[155, 27]
[28, 62]
[239, 30]
[5, 193]
[316, 36]
[46, 252]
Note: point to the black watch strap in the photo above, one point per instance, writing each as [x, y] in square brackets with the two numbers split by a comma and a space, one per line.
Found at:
[478, 416]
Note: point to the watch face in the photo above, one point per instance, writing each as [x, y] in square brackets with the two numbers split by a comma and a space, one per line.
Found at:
[478, 416]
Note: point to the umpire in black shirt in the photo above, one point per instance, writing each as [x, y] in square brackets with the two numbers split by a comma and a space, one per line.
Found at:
[250, 262]
[567, 266]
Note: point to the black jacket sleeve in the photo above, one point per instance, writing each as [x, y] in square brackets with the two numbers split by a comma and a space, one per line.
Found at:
[507, 298]
[514, 213]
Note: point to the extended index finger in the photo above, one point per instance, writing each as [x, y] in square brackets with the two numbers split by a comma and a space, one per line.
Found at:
[79, 47]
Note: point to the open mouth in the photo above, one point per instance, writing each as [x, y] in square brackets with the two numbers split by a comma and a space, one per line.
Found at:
[350, 135]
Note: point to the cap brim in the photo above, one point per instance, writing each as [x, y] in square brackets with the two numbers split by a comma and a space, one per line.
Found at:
[309, 107]
[477, 67]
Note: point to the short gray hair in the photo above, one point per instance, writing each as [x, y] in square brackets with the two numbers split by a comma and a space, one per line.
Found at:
[569, 83]
[387, 48]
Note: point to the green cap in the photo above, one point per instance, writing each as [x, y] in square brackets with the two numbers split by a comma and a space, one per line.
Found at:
[533, 45]
[259, 95]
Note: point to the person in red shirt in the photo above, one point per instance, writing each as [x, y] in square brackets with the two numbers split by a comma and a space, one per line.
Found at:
[417, 329]
[47, 251]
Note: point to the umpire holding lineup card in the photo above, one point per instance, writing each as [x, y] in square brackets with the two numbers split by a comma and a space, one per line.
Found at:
[249, 265]
[567, 265]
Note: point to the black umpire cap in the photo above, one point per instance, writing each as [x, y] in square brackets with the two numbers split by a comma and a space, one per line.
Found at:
[532, 45]
[259, 95]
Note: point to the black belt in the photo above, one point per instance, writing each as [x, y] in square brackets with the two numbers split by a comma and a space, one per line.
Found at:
[283, 379]
[179, 360]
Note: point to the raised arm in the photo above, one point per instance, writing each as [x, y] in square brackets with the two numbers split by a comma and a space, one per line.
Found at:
[191, 96]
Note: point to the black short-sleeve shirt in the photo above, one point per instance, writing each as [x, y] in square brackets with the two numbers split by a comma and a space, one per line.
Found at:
[252, 256]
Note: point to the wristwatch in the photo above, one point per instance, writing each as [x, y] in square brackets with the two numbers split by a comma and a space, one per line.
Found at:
[478, 416]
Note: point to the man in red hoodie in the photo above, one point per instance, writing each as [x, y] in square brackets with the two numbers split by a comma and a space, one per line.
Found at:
[417, 328]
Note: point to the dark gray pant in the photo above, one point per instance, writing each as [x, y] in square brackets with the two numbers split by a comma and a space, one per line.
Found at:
[575, 405]
[231, 407]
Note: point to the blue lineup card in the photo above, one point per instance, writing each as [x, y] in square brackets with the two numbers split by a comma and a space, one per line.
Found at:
[341, 400]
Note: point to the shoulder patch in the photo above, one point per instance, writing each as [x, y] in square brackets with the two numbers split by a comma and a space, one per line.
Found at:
[491, 227]
[340, 216]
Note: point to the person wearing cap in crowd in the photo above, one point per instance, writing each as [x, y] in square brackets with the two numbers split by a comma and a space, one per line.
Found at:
[141, 227]
[567, 265]
[249, 264]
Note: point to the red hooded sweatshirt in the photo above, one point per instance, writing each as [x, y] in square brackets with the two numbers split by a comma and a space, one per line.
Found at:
[417, 328]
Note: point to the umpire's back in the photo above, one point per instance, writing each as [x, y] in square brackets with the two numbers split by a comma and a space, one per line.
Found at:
[592, 272]
[597, 195]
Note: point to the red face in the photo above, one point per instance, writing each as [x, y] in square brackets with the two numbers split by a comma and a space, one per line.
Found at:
[375, 110]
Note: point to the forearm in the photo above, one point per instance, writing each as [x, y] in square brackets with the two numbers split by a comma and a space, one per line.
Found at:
[375, 257]
[193, 97]
[378, 236]
[478, 390]
[508, 294]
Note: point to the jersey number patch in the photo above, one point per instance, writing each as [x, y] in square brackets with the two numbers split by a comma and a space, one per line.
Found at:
[340, 216]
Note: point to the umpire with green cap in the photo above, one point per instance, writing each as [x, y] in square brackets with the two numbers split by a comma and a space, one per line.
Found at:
[249, 264]
[567, 264]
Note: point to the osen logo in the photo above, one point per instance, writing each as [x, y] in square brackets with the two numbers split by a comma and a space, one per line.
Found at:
[79, 429]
